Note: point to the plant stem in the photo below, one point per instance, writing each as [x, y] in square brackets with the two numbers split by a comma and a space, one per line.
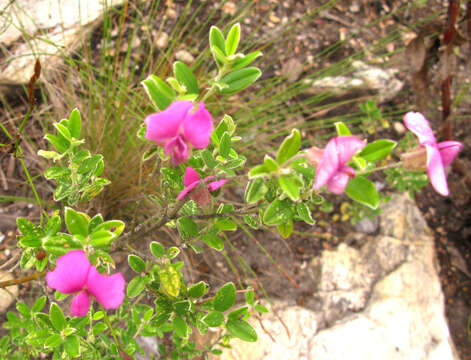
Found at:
[110, 327]
[22, 280]
[380, 168]
[221, 72]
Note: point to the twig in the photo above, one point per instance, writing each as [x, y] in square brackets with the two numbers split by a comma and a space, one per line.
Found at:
[22, 280]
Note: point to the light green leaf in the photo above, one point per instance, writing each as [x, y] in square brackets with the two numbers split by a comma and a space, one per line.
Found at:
[161, 94]
[197, 290]
[136, 263]
[135, 286]
[342, 129]
[57, 317]
[72, 346]
[278, 212]
[270, 164]
[180, 327]
[232, 40]
[289, 147]
[285, 229]
[76, 222]
[245, 60]
[185, 76]
[377, 150]
[216, 38]
[290, 186]
[214, 319]
[224, 224]
[225, 297]
[75, 123]
[363, 191]
[257, 171]
[157, 249]
[225, 145]
[305, 213]
[187, 228]
[241, 329]
[240, 79]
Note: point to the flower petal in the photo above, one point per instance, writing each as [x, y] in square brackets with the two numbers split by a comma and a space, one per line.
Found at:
[198, 126]
[186, 190]
[418, 124]
[190, 177]
[347, 146]
[328, 166]
[70, 274]
[80, 304]
[162, 126]
[216, 184]
[338, 182]
[107, 289]
[178, 150]
[449, 150]
[436, 170]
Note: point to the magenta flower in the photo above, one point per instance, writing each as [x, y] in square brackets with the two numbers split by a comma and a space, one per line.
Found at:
[192, 179]
[438, 155]
[74, 274]
[178, 126]
[332, 170]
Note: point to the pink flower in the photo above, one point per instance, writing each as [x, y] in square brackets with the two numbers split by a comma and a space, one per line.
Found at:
[177, 126]
[438, 155]
[74, 274]
[192, 179]
[332, 170]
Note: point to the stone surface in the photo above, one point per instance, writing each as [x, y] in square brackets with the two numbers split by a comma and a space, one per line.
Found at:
[56, 26]
[382, 300]
[9, 295]
[363, 79]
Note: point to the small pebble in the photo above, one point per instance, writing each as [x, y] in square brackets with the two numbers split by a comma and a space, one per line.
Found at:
[184, 56]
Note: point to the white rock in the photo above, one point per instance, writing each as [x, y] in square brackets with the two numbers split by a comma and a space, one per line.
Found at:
[49, 26]
[7, 297]
[184, 56]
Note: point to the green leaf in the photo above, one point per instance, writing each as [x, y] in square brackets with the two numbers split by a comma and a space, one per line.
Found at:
[270, 164]
[52, 155]
[90, 164]
[216, 38]
[63, 131]
[232, 40]
[100, 239]
[72, 346]
[225, 145]
[285, 229]
[94, 222]
[250, 221]
[180, 327]
[212, 240]
[259, 170]
[80, 156]
[290, 186]
[157, 249]
[239, 313]
[170, 281]
[75, 123]
[53, 341]
[225, 297]
[224, 224]
[57, 172]
[173, 252]
[114, 226]
[27, 227]
[342, 129]
[245, 60]
[261, 309]
[99, 328]
[187, 228]
[53, 225]
[39, 304]
[198, 290]
[61, 244]
[135, 286]
[30, 241]
[250, 297]
[305, 213]
[161, 94]
[136, 263]
[209, 159]
[289, 147]
[23, 309]
[185, 76]
[377, 150]
[76, 222]
[363, 191]
[240, 79]
[57, 317]
[241, 329]
[59, 143]
[213, 319]
[182, 307]
[278, 212]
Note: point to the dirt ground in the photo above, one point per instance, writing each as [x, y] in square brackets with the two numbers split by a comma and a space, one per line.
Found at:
[449, 218]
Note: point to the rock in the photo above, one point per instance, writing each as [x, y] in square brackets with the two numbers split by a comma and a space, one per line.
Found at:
[229, 8]
[8, 295]
[292, 69]
[380, 301]
[150, 346]
[399, 128]
[367, 225]
[364, 78]
[59, 28]
[184, 56]
[162, 40]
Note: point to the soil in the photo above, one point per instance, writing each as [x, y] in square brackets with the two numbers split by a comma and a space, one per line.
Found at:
[281, 274]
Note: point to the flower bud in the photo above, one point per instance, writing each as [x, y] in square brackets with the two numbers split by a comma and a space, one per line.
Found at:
[314, 155]
[415, 159]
